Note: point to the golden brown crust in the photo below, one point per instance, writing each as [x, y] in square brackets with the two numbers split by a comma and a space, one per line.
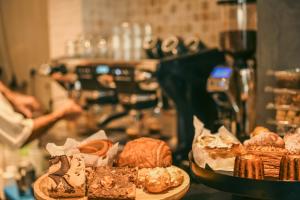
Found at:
[145, 153]
[235, 150]
[249, 166]
[158, 180]
[258, 130]
[265, 139]
[270, 156]
[96, 147]
[290, 168]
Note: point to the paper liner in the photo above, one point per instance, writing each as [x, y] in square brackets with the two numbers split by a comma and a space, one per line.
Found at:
[71, 147]
[223, 139]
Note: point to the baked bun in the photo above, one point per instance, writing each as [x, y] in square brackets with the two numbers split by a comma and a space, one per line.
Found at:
[158, 180]
[265, 139]
[96, 147]
[292, 142]
[258, 130]
[145, 153]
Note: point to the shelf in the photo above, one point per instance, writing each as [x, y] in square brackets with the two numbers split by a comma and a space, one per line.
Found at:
[281, 90]
[272, 106]
[282, 123]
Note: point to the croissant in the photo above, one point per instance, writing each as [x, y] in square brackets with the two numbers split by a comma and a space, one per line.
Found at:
[145, 153]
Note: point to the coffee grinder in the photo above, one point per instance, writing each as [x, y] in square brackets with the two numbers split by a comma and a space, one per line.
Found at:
[232, 85]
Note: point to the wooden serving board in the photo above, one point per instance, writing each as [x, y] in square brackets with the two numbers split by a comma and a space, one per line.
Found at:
[172, 194]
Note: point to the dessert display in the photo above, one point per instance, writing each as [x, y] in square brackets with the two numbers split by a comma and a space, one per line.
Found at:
[217, 150]
[112, 183]
[249, 166]
[86, 170]
[145, 153]
[290, 168]
[265, 155]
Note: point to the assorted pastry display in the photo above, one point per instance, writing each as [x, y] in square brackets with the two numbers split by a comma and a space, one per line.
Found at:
[265, 155]
[94, 169]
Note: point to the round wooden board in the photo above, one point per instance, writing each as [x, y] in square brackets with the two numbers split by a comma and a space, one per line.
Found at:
[173, 194]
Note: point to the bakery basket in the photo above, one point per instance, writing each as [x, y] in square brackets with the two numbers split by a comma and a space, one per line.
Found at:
[244, 187]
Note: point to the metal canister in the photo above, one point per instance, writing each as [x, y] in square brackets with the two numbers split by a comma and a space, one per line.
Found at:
[173, 46]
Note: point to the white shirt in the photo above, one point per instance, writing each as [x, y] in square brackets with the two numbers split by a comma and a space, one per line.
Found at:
[15, 129]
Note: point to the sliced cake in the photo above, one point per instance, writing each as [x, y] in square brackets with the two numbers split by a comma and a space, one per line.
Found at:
[66, 176]
[112, 183]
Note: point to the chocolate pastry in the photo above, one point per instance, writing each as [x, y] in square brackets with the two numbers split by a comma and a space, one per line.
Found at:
[96, 147]
[145, 153]
[112, 183]
[66, 176]
[249, 166]
[290, 168]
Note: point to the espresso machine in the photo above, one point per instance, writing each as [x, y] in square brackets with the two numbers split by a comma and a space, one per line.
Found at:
[183, 78]
[232, 86]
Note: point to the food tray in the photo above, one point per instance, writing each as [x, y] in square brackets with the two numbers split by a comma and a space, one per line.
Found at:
[260, 189]
[176, 193]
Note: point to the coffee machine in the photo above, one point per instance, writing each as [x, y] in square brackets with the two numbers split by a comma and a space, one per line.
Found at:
[183, 78]
[232, 86]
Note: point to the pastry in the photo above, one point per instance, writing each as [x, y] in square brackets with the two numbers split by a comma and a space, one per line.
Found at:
[292, 142]
[217, 150]
[258, 130]
[269, 147]
[176, 176]
[281, 115]
[145, 153]
[159, 179]
[97, 147]
[249, 166]
[66, 176]
[264, 137]
[112, 183]
[290, 168]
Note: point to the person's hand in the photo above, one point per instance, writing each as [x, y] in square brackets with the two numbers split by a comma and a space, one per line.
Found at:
[24, 104]
[71, 110]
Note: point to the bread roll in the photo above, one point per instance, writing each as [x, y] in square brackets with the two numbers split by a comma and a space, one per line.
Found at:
[145, 153]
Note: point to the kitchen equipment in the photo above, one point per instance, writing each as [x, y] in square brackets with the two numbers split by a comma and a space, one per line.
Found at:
[152, 47]
[173, 45]
[183, 78]
[194, 44]
[238, 41]
[221, 84]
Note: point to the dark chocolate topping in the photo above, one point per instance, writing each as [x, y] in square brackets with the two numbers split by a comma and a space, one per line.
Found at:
[54, 160]
[64, 167]
[58, 175]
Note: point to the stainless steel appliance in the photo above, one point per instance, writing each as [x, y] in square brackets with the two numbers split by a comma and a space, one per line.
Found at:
[235, 82]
